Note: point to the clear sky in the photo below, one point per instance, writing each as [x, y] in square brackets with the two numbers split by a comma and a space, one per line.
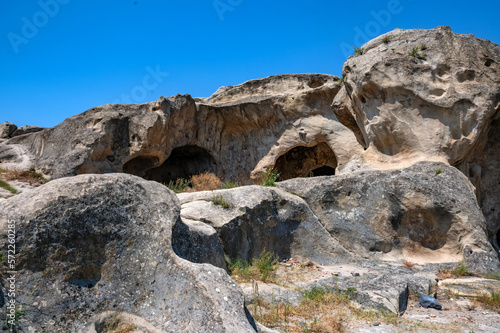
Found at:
[62, 57]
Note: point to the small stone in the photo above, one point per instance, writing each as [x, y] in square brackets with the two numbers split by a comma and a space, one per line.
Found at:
[217, 290]
[433, 316]
[335, 273]
[377, 323]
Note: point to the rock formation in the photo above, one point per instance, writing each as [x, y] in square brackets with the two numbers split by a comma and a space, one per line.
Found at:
[94, 246]
[404, 153]
[236, 131]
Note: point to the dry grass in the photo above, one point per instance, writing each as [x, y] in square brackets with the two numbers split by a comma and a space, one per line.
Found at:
[321, 310]
[409, 264]
[461, 269]
[28, 176]
[206, 182]
[490, 302]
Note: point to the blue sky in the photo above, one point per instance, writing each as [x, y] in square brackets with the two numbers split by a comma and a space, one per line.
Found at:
[62, 57]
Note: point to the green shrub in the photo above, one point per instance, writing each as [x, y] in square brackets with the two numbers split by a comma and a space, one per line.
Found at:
[6, 186]
[491, 302]
[386, 40]
[220, 201]
[230, 184]
[341, 82]
[358, 51]
[266, 263]
[270, 177]
[438, 171]
[315, 294]
[461, 270]
[416, 54]
[180, 185]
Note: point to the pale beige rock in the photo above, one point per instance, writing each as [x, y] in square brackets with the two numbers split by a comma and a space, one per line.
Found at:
[437, 107]
[238, 131]
[470, 286]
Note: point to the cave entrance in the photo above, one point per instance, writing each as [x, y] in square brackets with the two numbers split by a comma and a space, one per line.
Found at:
[183, 162]
[139, 165]
[301, 161]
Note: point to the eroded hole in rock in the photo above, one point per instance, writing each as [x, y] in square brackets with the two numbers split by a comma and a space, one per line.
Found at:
[316, 82]
[183, 162]
[488, 62]
[301, 161]
[428, 227]
[467, 75]
[139, 165]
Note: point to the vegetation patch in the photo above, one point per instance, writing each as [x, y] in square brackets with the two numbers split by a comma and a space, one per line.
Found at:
[220, 201]
[270, 177]
[259, 268]
[358, 51]
[206, 181]
[6, 186]
[490, 302]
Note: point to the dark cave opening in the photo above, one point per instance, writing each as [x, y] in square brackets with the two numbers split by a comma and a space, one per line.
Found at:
[183, 162]
[303, 161]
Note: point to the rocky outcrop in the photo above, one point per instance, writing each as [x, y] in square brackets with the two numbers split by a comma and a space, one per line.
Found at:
[256, 219]
[421, 95]
[237, 133]
[26, 130]
[424, 213]
[6, 129]
[94, 248]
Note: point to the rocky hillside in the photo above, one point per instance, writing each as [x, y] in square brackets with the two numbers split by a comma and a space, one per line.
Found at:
[397, 161]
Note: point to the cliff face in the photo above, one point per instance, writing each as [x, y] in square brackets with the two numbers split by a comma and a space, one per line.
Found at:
[237, 131]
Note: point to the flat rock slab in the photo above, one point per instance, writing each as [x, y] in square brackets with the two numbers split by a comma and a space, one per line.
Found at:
[471, 286]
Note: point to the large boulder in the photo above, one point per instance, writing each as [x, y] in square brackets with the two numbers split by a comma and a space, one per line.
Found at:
[237, 133]
[421, 95]
[94, 250]
[6, 129]
[424, 213]
[255, 219]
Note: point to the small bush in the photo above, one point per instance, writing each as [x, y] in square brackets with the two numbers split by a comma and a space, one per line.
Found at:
[206, 182]
[266, 263]
[315, 294]
[461, 270]
[358, 51]
[230, 184]
[179, 186]
[6, 186]
[423, 47]
[438, 171]
[270, 177]
[240, 268]
[416, 54]
[220, 201]
[341, 82]
[386, 40]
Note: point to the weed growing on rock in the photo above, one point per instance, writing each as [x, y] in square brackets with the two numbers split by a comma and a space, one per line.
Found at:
[341, 82]
[358, 51]
[6, 186]
[416, 54]
[461, 270]
[270, 177]
[29, 175]
[386, 40]
[13, 324]
[423, 47]
[220, 201]
[230, 184]
[438, 171]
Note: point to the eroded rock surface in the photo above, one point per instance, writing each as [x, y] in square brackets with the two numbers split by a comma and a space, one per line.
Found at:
[257, 219]
[424, 213]
[92, 244]
[239, 131]
[434, 105]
